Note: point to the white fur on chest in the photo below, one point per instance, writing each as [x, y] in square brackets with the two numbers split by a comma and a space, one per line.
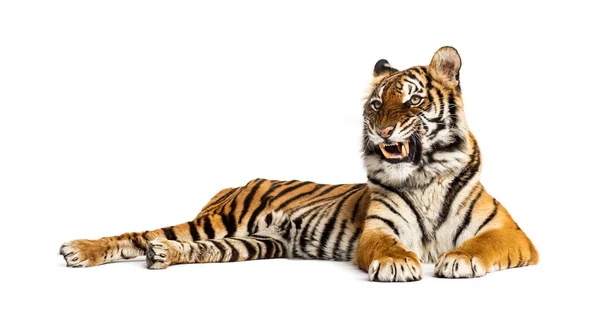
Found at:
[427, 204]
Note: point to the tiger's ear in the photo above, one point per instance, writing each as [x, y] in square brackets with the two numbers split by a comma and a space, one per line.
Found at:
[445, 65]
[383, 67]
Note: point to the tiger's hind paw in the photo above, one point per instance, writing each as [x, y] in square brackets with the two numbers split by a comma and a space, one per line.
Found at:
[157, 254]
[84, 253]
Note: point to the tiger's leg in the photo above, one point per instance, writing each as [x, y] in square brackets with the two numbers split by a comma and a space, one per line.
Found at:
[86, 253]
[384, 257]
[272, 239]
[216, 220]
[495, 249]
[488, 240]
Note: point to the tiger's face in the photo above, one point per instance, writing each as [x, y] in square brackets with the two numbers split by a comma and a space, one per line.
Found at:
[414, 127]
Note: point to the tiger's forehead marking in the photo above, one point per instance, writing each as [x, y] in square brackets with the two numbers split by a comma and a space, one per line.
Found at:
[405, 84]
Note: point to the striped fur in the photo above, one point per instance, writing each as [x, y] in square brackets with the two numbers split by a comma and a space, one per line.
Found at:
[429, 207]
[263, 219]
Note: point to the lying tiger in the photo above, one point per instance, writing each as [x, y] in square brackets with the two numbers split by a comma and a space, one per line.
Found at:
[423, 202]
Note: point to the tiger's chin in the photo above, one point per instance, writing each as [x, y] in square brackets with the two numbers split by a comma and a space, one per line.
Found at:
[397, 174]
[397, 164]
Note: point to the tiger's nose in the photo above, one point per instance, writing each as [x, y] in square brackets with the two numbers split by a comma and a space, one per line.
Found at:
[385, 132]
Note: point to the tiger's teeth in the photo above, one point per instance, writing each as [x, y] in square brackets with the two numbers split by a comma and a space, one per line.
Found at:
[403, 151]
[385, 153]
[405, 145]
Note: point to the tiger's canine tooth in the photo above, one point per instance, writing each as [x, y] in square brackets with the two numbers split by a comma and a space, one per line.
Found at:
[385, 153]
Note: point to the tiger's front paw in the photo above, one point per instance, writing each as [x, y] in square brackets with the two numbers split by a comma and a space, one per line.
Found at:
[157, 255]
[398, 269]
[84, 253]
[456, 264]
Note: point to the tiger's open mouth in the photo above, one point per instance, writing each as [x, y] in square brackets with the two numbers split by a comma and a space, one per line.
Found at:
[396, 152]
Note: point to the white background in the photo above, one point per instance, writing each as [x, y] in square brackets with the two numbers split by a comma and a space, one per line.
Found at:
[121, 116]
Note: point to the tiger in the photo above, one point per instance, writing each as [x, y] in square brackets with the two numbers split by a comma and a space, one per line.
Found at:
[422, 202]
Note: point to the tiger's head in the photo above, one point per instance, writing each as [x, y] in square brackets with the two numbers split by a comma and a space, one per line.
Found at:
[414, 125]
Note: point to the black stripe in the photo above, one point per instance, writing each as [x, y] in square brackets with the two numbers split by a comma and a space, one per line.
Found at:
[328, 198]
[315, 224]
[259, 254]
[269, 218]
[412, 75]
[169, 233]
[296, 209]
[136, 243]
[233, 204]
[326, 233]
[331, 188]
[249, 198]
[357, 205]
[467, 218]
[268, 242]
[424, 236]
[389, 207]
[299, 196]
[457, 144]
[438, 120]
[276, 251]
[272, 188]
[290, 189]
[424, 121]
[489, 218]
[458, 184]
[389, 223]
[284, 252]
[336, 247]
[376, 274]
[223, 197]
[314, 203]
[307, 224]
[221, 248]
[266, 201]
[193, 231]
[351, 244]
[441, 100]
[285, 228]
[452, 110]
[208, 229]
[235, 254]
[229, 223]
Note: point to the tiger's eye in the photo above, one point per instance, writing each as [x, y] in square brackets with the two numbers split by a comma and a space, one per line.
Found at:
[376, 105]
[415, 99]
